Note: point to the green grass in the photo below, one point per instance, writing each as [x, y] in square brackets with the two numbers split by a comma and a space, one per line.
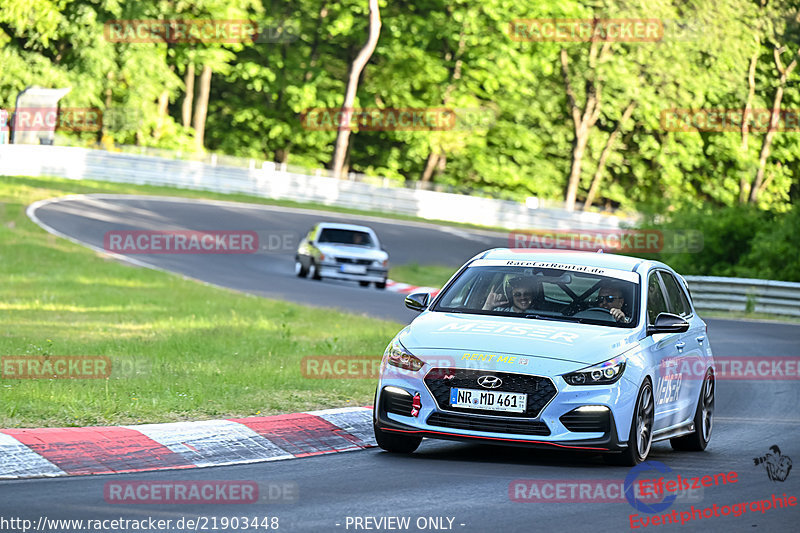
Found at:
[423, 275]
[180, 350]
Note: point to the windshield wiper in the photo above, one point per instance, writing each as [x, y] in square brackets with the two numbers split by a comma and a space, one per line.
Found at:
[555, 318]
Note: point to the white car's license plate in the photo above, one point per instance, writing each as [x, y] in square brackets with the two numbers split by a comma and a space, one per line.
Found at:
[353, 269]
[488, 400]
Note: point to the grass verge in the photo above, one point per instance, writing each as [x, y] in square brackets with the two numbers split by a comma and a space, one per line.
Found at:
[180, 350]
[422, 275]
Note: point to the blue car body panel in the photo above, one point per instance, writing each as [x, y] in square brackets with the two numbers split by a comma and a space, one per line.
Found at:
[511, 345]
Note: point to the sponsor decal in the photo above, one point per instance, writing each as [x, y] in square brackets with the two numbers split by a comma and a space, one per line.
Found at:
[545, 333]
[598, 271]
[494, 358]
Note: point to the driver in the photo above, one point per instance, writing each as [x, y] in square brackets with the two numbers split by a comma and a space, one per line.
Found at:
[523, 292]
[611, 297]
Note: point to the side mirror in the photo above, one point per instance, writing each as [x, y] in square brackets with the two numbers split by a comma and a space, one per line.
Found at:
[418, 301]
[668, 323]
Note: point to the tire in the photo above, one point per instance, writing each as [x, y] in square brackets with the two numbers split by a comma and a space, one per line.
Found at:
[703, 420]
[640, 438]
[364, 283]
[396, 443]
[313, 272]
[299, 270]
[380, 284]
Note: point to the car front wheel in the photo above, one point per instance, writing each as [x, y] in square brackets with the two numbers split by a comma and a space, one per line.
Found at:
[641, 435]
[313, 271]
[299, 270]
[703, 420]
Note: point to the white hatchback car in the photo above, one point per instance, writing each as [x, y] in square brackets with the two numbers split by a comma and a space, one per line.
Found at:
[342, 251]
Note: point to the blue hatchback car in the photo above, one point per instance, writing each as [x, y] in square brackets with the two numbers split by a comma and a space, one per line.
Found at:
[573, 350]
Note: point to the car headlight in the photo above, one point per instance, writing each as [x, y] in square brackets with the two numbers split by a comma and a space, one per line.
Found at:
[600, 374]
[397, 355]
[379, 264]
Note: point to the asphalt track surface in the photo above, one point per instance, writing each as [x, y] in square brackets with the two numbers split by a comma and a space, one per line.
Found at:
[468, 483]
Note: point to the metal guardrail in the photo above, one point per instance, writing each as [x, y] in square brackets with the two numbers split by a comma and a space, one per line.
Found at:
[745, 295]
[271, 181]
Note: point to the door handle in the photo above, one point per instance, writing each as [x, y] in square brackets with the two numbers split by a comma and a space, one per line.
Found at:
[701, 338]
[680, 345]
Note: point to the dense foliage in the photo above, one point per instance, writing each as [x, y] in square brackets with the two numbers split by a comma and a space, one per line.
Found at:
[534, 128]
[738, 241]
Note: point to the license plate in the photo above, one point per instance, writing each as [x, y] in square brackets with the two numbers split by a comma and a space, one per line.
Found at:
[488, 400]
[353, 269]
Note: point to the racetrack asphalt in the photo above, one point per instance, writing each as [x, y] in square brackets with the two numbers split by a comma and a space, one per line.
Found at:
[468, 483]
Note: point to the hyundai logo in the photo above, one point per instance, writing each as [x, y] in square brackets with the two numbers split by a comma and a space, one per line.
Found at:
[490, 382]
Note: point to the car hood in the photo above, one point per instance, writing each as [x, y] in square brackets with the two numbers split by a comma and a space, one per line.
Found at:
[356, 252]
[567, 341]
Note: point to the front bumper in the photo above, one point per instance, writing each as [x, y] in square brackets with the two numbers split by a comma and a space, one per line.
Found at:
[608, 443]
[377, 275]
[556, 426]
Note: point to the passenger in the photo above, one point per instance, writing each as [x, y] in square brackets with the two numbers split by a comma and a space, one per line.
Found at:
[524, 294]
[611, 297]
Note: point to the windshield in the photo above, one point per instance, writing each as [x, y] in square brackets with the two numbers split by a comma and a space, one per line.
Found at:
[345, 236]
[545, 293]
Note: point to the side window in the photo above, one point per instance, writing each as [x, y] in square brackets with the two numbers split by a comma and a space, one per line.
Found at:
[655, 299]
[677, 299]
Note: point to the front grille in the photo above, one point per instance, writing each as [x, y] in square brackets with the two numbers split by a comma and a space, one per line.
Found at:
[493, 425]
[350, 261]
[396, 403]
[540, 390]
[595, 422]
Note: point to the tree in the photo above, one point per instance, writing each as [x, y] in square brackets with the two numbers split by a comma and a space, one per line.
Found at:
[358, 65]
